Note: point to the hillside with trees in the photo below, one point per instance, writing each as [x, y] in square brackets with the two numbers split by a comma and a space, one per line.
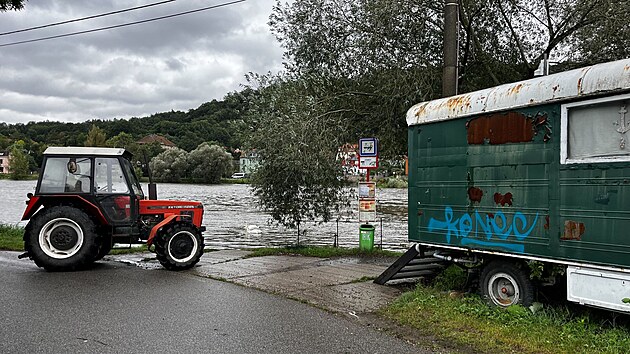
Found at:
[219, 122]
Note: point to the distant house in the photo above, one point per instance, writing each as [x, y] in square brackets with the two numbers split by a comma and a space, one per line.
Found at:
[153, 138]
[348, 155]
[4, 162]
[248, 162]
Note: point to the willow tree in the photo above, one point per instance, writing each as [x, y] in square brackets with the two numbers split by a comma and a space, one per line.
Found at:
[7, 5]
[376, 59]
[505, 41]
[297, 140]
[353, 69]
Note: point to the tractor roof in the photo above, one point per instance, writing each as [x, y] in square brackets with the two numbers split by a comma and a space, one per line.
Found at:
[92, 151]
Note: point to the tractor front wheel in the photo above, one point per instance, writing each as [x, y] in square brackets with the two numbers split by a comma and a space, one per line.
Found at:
[61, 238]
[179, 246]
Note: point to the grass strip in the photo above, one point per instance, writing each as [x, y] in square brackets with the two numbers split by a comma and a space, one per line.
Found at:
[11, 238]
[130, 250]
[466, 320]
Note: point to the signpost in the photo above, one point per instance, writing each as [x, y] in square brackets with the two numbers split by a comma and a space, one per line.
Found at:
[368, 159]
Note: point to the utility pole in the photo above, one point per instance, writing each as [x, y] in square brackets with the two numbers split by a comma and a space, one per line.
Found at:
[451, 24]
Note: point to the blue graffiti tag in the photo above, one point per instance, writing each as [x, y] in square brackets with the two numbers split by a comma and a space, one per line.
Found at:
[496, 226]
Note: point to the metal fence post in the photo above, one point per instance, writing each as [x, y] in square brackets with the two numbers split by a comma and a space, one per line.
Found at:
[381, 234]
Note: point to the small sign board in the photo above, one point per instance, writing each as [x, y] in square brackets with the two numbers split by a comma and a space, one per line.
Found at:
[367, 210]
[367, 201]
[367, 190]
[368, 161]
[368, 147]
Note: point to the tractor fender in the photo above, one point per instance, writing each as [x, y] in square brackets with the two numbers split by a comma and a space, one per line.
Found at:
[32, 204]
[35, 202]
[167, 220]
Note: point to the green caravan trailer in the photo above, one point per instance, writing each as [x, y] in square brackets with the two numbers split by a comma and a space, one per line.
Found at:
[529, 174]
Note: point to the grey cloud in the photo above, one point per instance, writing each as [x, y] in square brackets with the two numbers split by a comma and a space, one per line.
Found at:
[173, 64]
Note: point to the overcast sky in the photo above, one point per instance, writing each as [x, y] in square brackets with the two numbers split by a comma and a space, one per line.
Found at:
[172, 64]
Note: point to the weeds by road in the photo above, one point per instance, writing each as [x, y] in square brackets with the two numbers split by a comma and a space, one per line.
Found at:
[466, 320]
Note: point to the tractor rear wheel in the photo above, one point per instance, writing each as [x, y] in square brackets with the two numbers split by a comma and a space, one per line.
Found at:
[61, 238]
[104, 248]
[179, 246]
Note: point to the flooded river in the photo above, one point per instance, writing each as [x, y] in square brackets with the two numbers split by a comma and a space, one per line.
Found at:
[234, 220]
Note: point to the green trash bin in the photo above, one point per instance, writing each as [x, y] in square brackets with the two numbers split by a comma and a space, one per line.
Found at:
[366, 237]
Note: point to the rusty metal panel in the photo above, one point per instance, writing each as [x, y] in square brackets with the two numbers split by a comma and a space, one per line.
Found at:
[606, 78]
[595, 213]
[573, 230]
[501, 128]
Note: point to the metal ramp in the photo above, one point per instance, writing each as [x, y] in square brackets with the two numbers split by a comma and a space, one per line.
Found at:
[416, 262]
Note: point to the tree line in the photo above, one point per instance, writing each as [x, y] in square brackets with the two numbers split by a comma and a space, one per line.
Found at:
[218, 122]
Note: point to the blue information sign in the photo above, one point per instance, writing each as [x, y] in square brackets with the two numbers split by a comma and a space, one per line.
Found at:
[368, 147]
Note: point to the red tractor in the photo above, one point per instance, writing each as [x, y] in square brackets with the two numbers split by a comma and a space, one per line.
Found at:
[88, 199]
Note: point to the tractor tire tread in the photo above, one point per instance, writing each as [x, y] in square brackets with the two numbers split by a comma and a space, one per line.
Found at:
[84, 257]
[161, 244]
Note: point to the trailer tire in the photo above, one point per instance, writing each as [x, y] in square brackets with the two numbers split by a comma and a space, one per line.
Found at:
[61, 238]
[179, 246]
[503, 283]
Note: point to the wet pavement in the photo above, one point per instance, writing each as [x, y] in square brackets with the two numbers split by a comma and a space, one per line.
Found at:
[343, 285]
[119, 307]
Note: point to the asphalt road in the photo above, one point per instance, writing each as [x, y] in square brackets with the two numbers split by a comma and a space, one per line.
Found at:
[119, 308]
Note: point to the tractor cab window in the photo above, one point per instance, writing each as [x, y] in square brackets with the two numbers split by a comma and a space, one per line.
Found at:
[66, 175]
[133, 180]
[109, 177]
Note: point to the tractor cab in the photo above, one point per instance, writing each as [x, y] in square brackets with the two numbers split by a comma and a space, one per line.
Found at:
[103, 177]
[92, 196]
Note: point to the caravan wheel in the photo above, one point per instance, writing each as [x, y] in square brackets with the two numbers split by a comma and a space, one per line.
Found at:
[505, 283]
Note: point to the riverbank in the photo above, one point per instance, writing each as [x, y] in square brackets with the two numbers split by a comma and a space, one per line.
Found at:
[7, 176]
[381, 182]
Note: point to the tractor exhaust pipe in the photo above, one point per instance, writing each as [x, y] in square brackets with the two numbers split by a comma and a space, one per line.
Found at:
[152, 190]
[152, 186]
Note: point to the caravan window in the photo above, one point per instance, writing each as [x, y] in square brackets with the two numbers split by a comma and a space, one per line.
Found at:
[596, 130]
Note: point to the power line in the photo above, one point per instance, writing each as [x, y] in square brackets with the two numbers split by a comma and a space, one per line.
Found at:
[124, 24]
[85, 18]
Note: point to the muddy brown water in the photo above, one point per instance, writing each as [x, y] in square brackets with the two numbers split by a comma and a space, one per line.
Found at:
[235, 221]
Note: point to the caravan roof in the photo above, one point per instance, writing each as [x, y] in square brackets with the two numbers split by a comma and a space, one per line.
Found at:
[587, 81]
